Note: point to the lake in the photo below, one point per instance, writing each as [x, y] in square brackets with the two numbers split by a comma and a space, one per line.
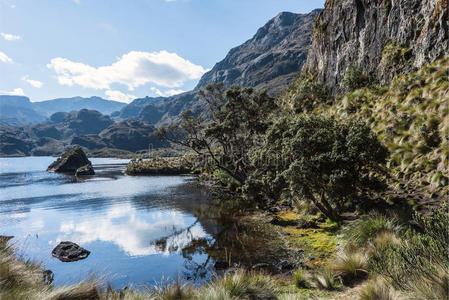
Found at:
[140, 230]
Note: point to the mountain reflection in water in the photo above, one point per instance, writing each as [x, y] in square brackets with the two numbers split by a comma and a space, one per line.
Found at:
[140, 230]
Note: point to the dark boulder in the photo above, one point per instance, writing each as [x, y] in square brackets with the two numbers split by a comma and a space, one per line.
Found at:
[221, 265]
[85, 171]
[70, 161]
[68, 252]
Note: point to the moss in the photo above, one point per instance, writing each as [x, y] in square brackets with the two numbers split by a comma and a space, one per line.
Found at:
[318, 243]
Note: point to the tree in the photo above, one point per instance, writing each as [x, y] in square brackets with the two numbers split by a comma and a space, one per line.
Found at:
[238, 118]
[323, 160]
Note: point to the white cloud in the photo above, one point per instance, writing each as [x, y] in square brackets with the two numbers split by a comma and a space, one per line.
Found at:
[119, 96]
[77, 1]
[133, 69]
[133, 234]
[15, 92]
[166, 93]
[36, 83]
[5, 58]
[10, 37]
[13, 6]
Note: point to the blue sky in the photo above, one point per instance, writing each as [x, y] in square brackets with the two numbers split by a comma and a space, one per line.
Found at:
[121, 49]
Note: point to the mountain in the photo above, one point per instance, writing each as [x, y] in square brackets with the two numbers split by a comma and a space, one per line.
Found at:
[384, 38]
[50, 107]
[270, 60]
[19, 110]
[86, 128]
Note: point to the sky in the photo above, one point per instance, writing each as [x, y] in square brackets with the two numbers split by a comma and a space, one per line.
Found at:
[123, 49]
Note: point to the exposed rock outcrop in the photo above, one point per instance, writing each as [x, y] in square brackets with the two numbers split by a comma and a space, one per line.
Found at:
[68, 252]
[85, 171]
[271, 59]
[70, 161]
[384, 37]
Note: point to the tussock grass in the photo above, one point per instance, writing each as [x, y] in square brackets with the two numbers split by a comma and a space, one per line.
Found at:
[351, 267]
[378, 289]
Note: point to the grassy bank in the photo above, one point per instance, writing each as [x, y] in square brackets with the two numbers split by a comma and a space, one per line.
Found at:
[374, 257]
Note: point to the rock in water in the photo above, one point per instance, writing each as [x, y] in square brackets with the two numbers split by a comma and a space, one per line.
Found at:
[70, 161]
[85, 171]
[68, 252]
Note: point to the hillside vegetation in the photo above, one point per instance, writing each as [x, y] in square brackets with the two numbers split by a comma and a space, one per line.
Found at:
[410, 117]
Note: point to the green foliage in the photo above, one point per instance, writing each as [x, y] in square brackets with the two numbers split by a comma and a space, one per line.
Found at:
[365, 230]
[322, 160]
[423, 254]
[306, 93]
[239, 116]
[355, 78]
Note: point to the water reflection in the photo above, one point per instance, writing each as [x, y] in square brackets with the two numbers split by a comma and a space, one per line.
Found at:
[134, 233]
[138, 229]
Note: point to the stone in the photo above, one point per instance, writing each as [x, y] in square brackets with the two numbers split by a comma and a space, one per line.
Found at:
[70, 161]
[371, 33]
[69, 252]
[85, 171]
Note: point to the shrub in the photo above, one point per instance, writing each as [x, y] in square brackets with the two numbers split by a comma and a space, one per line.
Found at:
[355, 78]
[422, 254]
[324, 161]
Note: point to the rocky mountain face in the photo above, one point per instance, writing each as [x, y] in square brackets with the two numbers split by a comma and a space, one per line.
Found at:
[271, 59]
[383, 37]
[19, 110]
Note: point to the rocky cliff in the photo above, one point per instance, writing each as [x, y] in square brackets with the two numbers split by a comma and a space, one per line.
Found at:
[271, 59]
[383, 37]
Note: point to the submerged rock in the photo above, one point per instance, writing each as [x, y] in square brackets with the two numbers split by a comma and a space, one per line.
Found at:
[70, 161]
[68, 252]
[85, 171]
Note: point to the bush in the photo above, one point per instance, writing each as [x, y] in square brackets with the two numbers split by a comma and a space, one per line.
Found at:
[318, 159]
[422, 254]
[355, 78]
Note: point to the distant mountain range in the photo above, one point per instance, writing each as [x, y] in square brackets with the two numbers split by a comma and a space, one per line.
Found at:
[19, 110]
[270, 60]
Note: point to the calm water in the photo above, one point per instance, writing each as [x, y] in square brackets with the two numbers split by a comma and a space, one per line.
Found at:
[139, 230]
